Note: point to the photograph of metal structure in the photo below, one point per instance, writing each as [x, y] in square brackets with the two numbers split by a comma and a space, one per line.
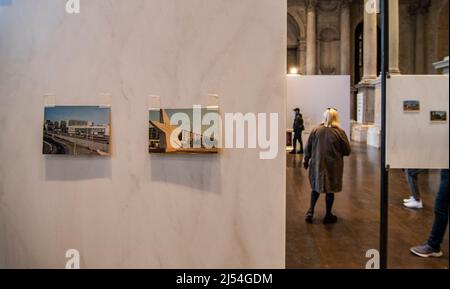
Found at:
[438, 116]
[187, 137]
[76, 130]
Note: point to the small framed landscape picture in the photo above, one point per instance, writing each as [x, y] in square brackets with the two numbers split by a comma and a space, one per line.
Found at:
[411, 106]
[437, 116]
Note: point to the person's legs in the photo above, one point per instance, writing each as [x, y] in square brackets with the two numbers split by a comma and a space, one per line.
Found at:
[411, 178]
[314, 198]
[329, 217]
[329, 200]
[441, 211]
[300, 141]
[312, 205]
[415, 201]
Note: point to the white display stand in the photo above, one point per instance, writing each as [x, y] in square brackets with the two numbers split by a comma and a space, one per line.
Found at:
[314, 94]
[360, 108]
[290, 136]
[413, 141]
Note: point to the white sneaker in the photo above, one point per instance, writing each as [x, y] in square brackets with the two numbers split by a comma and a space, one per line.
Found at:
[408, 200]
[414, 204]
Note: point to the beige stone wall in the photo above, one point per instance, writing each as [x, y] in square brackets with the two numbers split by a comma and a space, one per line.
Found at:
[327, 34]
[432, 36]
[407, 38]
[437, 33]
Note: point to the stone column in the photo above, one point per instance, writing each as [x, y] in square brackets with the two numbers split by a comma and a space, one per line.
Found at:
[345, 37]
[311, 38]
[370, 45]
[301, 50]
[394, 27]
[420, 41]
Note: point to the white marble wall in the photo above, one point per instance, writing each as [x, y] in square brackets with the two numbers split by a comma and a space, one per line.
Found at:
[134, 210]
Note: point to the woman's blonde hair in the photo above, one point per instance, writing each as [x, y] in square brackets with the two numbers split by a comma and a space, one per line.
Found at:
[331, 118]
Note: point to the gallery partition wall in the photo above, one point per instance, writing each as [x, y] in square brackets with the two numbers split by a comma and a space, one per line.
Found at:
[132, 209]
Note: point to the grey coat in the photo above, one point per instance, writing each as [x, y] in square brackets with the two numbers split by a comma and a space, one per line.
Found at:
[325, 153]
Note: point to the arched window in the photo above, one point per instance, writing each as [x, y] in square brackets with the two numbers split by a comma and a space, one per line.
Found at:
[292, 43]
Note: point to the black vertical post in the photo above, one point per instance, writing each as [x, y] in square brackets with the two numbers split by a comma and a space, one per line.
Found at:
[384, 186]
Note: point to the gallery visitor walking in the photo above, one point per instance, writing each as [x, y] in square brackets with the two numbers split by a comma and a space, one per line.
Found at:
[324, 157]
[298, 130]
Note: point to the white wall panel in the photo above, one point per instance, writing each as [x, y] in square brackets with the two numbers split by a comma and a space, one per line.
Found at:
[413, 141]
[314, 94]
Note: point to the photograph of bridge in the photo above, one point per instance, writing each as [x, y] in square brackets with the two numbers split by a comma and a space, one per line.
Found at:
[167, 138]
[76, 130]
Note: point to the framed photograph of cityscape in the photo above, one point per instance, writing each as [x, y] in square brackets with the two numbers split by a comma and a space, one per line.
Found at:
[77, 130]
[175, 131]
[438, 116]
[411, 106]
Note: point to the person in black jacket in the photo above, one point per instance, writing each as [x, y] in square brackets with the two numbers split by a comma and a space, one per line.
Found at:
[298, 129]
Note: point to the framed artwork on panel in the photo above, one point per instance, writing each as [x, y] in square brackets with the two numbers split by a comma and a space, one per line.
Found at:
[185, 131]
[77, 130]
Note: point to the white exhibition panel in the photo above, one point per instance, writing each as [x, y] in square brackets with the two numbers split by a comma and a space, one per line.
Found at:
[132, 210]
[314, 94]
[413, 141]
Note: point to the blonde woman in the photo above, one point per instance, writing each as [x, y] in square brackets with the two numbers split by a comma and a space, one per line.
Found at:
[324, 157]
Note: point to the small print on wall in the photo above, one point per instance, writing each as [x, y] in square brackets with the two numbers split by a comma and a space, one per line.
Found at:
[194, 130]
[77, 130]
[438, 116]
[411, 106]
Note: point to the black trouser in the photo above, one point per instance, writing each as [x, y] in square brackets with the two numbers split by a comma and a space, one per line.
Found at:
[329, 200]
[298, 137]
[440, 213]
